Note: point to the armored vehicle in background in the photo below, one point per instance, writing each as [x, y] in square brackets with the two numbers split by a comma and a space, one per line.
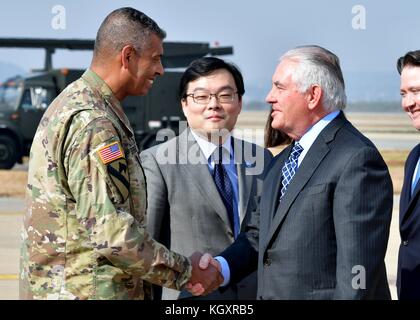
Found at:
[23, 99]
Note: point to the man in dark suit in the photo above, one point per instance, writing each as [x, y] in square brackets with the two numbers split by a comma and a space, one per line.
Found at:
[408, 276]
[322, 227]
[188, 208]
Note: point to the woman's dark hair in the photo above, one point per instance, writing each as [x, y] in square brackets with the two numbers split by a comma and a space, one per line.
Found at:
[274, 137]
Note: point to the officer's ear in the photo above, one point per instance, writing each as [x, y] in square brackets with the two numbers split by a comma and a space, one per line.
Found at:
[314, 96]
[127, 54]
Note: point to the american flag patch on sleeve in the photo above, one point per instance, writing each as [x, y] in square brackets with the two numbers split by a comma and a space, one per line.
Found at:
[110, 152]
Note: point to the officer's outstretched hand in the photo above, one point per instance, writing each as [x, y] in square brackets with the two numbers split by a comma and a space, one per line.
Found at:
[206, 276]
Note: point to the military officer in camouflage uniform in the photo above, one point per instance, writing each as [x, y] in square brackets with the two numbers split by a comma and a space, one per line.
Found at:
[84, 233]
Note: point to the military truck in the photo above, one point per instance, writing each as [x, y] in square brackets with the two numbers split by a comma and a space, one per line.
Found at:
[23, 99]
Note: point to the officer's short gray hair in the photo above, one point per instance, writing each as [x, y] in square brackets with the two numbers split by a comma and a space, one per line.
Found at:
[125, 26]
[317, 65]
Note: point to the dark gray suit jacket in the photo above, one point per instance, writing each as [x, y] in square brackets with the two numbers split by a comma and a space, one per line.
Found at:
[408, 275]
[329, 234]
[185, 211]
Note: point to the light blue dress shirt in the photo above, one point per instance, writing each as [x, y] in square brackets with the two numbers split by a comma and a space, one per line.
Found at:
[416, 177]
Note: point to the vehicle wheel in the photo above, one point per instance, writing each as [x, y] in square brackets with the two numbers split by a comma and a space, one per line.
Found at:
[8, 152]
[150, 140]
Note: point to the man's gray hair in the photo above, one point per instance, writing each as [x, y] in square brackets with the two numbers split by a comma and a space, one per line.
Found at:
[125, 26]
[317, 65]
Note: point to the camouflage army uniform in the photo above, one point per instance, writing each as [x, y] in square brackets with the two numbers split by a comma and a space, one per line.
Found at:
[84, 231]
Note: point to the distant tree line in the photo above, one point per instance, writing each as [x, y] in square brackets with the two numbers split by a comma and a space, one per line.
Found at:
[359, 106]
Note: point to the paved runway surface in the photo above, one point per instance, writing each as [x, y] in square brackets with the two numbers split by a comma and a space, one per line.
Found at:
[11, 205]
[391, 131]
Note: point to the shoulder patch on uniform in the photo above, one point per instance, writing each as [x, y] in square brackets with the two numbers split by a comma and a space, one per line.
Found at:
[118, 172]
[110, 152]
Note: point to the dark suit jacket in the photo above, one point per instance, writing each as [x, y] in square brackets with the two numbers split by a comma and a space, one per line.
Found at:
[185, 211]
[408, 276]
[329, 235]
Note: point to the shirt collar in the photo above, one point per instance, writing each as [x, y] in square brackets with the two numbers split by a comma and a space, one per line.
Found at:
[100, 86]
[310, 136]
[208, 148]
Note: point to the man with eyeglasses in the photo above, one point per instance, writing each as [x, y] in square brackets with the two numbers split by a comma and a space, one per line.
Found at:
[408, 276]
[199, 197]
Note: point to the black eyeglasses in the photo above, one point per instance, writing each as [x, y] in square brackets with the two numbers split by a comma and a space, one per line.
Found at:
[204, 97]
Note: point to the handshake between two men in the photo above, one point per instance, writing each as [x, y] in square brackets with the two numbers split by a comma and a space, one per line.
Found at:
[206, 274]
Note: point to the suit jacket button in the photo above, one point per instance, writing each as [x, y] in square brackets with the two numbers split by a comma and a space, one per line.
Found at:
[405, 243]
[267, 262]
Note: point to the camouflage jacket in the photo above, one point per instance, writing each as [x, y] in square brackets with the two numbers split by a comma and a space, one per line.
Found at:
[84, 233]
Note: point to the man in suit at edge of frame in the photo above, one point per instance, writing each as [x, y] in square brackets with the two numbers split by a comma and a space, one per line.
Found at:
[408, 274]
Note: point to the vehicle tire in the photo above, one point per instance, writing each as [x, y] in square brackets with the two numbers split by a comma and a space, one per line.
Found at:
[8, 152]
[150, 140]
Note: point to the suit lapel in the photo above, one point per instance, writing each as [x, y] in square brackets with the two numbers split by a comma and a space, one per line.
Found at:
[245, 182]
[307, 168]
[406, 199]
[200, 175]
[274, 180]
[244, 187]
[271, 194]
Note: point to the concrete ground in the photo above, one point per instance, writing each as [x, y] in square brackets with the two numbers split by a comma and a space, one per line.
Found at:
[387, 130]
[10, 224]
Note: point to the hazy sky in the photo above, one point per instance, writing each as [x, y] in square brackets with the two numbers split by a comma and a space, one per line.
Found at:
[259, 31]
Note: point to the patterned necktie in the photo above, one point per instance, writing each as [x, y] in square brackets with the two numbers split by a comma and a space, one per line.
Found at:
[290, 167]
[224, 186]
[415, 180]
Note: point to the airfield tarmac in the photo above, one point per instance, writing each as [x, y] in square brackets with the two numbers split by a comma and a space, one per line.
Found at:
[387, 131]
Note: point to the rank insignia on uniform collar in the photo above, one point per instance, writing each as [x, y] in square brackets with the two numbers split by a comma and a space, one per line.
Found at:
[111, 152]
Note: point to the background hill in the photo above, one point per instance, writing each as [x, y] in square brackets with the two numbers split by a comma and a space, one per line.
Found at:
[8, 70]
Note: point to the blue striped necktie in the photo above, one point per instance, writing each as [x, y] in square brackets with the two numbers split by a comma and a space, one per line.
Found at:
[289, 168]
[224, 186]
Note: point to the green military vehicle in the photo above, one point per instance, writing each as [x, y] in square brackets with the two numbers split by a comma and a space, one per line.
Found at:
[23, 99]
